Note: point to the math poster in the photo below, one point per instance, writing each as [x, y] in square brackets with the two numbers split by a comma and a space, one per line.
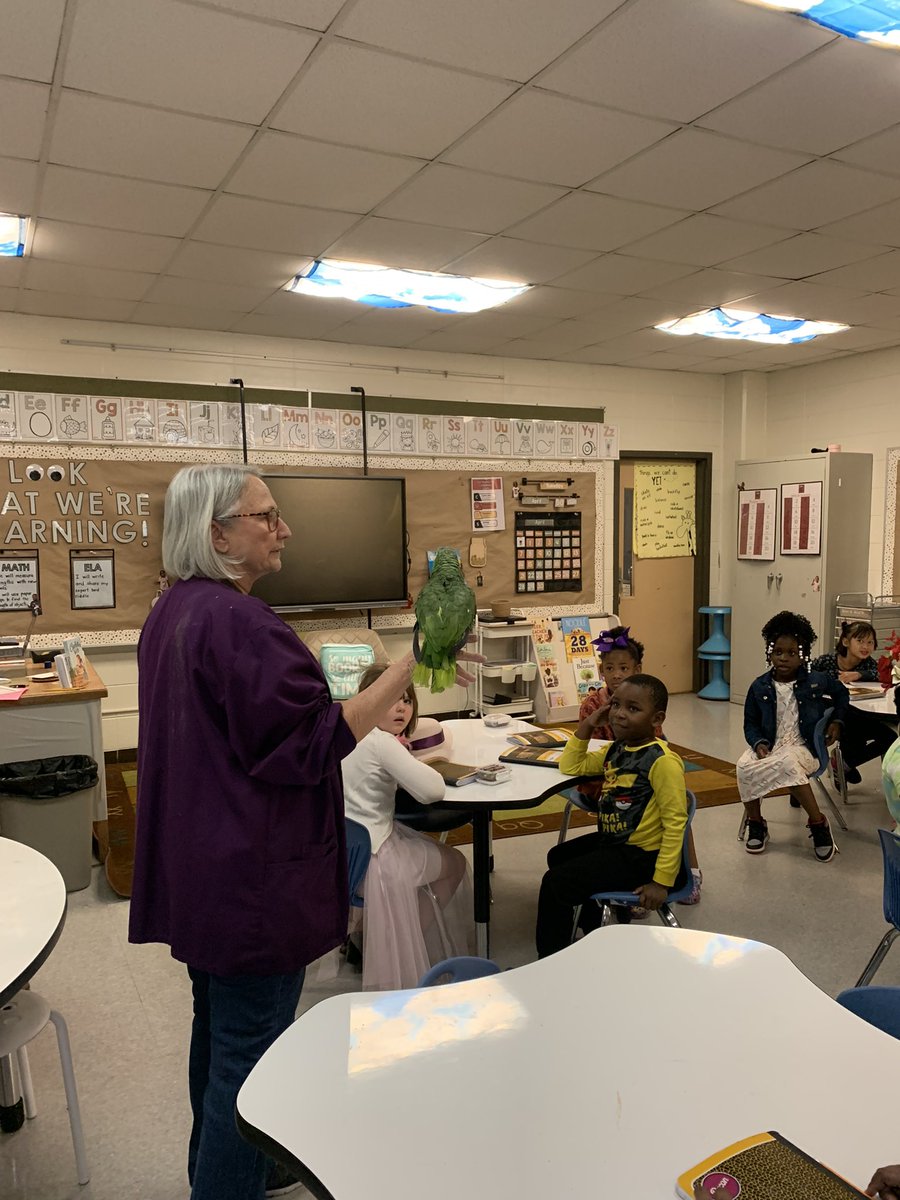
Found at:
[801, 518]
[665, 510]
[757, 516]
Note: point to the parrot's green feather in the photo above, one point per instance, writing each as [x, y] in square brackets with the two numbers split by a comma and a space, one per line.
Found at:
[445, 612]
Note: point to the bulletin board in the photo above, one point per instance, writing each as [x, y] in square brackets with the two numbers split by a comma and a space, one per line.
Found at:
[112, 510]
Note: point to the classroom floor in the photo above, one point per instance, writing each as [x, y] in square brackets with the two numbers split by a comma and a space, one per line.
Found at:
[128, 1007]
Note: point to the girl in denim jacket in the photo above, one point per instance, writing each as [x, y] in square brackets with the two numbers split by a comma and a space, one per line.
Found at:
[781, 712]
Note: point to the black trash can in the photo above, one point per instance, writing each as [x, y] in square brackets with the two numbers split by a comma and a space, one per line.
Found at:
[48, 804]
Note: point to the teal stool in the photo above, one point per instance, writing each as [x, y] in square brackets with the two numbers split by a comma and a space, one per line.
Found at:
[716, 650]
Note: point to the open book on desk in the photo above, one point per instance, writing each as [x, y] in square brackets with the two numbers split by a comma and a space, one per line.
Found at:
[548, 738]
[765, 1166]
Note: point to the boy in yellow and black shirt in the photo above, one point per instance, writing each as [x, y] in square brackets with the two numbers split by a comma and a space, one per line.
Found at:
[641, 815]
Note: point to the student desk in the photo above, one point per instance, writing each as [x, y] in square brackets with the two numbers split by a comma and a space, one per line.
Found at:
[603, 1071]
[51, 720]
[879, 704]
[473, 743]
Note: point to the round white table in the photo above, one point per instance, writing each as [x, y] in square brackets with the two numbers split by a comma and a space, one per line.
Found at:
[604, 1071]
[32, 915]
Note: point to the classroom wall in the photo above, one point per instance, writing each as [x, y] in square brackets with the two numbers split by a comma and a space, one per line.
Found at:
[654, 411]
[853, 402]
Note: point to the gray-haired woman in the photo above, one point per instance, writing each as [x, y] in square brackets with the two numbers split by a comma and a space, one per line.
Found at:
[240, 860]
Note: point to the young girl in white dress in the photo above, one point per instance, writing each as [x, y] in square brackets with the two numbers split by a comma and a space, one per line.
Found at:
[781, 711]
[417, 892]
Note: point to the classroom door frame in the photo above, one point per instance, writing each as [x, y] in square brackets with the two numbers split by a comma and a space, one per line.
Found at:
[703, 464]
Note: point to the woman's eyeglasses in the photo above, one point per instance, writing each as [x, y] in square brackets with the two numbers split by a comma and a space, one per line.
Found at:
[272, 516]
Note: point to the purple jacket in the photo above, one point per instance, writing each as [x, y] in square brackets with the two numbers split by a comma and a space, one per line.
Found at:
[240, 858]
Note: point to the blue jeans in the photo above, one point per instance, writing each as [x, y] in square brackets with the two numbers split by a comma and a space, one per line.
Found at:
[236, 1019]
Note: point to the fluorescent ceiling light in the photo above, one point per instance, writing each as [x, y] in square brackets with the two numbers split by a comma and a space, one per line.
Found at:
[387, 287]
[876, 21]
[12, 235]
[749, 326]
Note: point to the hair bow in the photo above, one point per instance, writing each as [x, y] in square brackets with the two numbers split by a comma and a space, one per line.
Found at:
[606, 642]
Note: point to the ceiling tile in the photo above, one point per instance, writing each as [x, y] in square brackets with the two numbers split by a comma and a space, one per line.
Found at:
[30, 40]
[861, 338]
[873, 275]
[85, 308]
[395, 105]
[726, 366]
[127, 139]
[626, 316]
[694, 169]
[46, 276]
[881, 224]
[665, 361]
[287, 325]
[802, 299]
[184, 317]
[232, 265]
[311, 14]
[12, 271]
[403, 244]
[18, 180]
[560, 338]
[704, 240]
[680, 58]
[506, 322]
[161, 52]
[262, 225]
[461, 341]
[328, 312]
[557, 302]
[554, 140]
[836, 96]
[594, 222]
[24, 107]
[390, 326]
[509, 38]
[63, 242]
[710, 288]
[90, 199]
[813, 195]
[619, 273]
[880, 153]
[869, 310]
[509, 258]
[460, 199]
[9, 299]
[805, 254]
[619, 349]
[203, 293]
[280, 166]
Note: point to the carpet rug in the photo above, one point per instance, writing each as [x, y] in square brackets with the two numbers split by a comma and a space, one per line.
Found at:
[114, 837]
[712, 780]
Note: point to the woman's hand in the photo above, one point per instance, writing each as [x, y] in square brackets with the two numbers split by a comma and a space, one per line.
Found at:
[885, 1183]
[463, 678]
[651, 895]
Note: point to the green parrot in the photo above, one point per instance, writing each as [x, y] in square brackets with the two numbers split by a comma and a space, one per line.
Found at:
[445, 614]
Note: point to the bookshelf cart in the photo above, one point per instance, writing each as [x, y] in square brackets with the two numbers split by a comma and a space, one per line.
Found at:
[509, 670]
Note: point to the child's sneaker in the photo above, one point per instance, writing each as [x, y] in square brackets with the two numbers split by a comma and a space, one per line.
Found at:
[823, 843]
[694, 897]
[757, 837]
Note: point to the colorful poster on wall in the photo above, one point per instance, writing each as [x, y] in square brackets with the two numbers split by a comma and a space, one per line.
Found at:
[757, 517]
[487, 504]
[801, 518]
[664, 510]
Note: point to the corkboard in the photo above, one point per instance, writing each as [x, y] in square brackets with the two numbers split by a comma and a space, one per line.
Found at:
[117, 504]
[438, 510]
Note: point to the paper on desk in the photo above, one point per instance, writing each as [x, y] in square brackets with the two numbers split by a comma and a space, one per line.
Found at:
[8, 693]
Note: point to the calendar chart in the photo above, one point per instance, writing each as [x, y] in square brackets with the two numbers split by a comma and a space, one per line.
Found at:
[548, 552]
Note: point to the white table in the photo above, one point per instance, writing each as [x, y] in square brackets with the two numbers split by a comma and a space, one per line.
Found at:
[32, 915]
[601, 1072]
[880, 703]
[475, 744]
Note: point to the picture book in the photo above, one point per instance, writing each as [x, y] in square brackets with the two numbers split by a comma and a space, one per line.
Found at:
[765, 1166]
[453, 774]
[74, 655]
[537, 756]
[541, 737]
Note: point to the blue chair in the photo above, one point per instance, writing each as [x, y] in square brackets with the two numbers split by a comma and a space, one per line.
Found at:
[456, 970]
[574, 799]
[880, 1006]
[824, 756]
[359, 851]
[890, 852]
[630, 900]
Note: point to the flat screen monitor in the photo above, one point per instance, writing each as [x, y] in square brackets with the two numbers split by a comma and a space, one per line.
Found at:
[348, 543]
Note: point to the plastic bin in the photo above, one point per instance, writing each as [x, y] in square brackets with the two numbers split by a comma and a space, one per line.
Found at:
[48, 804]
